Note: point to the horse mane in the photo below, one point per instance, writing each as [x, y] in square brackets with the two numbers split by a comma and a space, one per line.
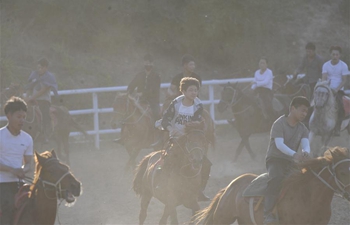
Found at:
[38, 167]
[303, 172]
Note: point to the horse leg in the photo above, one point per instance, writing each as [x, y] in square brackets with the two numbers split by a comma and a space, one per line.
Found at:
[173, 218]
[238, 150]
[195, 209]
[145, 200]
[167, 211]
[249, 149]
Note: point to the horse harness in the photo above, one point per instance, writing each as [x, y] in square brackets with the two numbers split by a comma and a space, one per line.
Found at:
[340, 189]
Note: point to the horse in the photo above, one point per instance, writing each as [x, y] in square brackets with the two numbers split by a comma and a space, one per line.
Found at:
[62, 122]
[305, 198]
[182, 185]
[138, 130]
[13, 90]
[248, 118]
[325, 115]
[53, 182]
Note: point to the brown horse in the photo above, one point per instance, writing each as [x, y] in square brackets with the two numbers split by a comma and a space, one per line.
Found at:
[53, 181]
[178, 187]
[62, 122]
[305, 198]
[138, 130]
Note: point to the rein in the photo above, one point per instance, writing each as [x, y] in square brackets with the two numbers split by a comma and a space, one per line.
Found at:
[32, 121]
[232, 104]
[340, 186]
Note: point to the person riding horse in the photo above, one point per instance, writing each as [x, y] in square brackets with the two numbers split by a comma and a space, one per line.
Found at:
[287, 133]
[311, 64]
[16, 156]
[262, 86]
[185, 110]
[335, 71]
[189, 65]
[147, 85]
[41, 82]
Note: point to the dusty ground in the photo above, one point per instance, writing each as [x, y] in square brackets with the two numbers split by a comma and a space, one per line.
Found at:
[108, 198]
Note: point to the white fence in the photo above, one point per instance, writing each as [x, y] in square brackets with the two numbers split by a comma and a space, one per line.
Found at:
[96, 110]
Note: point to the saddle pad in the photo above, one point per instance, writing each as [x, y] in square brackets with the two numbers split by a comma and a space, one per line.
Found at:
[346, 103]
[257, 187]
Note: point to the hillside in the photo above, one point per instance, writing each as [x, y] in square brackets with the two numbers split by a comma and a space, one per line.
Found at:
[101, 43]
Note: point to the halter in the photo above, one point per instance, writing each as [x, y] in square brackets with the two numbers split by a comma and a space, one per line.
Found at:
[340, 186]
[188, 152]
[124, 121]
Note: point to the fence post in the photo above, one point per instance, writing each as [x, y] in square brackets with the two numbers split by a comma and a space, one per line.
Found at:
[211, 99]
[96, 122]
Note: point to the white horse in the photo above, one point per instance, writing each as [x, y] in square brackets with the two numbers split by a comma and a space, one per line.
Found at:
[324, 117]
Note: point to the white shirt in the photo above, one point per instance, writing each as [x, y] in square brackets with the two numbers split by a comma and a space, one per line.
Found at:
[185, 115]
[335, 72]
[12, 151]
[263, 80]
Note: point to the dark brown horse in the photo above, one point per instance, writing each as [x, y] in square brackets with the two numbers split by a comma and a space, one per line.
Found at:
[53, 182]
[181, 185]
[138, 130]
[62, 122]
[305, 198]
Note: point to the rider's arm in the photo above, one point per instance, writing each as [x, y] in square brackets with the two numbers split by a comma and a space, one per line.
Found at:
[168, 116]
[28, 163]
[305, 145]
[324, 72]
[345, 72]
[197, 116]
[283, 147]
[300, 68]
[341, 85]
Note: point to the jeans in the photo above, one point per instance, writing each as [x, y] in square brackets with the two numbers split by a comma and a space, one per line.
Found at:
[7, 200]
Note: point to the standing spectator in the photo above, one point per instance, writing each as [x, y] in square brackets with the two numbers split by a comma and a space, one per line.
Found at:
[16, 156]
[311, 64]
[41, 82]
[335, 71]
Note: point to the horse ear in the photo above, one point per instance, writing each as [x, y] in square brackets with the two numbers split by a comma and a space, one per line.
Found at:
[53, 153]
[39, 158]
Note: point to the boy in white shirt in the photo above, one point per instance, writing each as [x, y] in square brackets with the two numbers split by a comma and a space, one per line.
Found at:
[335, 71]
[16, 156]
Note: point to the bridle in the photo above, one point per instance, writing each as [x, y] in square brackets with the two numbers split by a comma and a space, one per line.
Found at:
[232, 103]
[188, 152]
[340, 189]
[328, 91]
[128, 116]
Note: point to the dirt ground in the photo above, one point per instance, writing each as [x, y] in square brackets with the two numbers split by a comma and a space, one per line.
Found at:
[109, 199]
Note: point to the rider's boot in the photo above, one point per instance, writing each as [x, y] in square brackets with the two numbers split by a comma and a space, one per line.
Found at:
[337, 129]
[269, 204]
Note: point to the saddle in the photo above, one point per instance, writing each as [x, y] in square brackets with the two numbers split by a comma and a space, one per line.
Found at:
[346, 104]
[21, 201]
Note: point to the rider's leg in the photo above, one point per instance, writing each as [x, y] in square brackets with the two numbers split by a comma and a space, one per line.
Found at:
[44, 107]
[7, 201]
[277, 170]
[158, 144]
[120, 140]
[339, 99]
[205, 173]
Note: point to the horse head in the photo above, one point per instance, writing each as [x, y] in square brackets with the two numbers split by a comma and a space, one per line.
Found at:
[55, 177]
[229, 95]
[13, 90]
[322, 93]
[193, 144]
[340, 169]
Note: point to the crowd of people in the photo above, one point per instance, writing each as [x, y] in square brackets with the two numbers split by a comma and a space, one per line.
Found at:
[287, 132]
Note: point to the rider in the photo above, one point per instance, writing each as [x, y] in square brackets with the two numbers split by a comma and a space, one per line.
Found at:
[185, 110]
[287, 133]
[262, 86]
[311, 64]
[16, 156]
[189, 65]
[335, 71]
[38, 89]
[147, 85]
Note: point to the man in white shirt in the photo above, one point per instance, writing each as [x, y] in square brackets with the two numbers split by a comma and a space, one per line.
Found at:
[16, 156]
[335, 71]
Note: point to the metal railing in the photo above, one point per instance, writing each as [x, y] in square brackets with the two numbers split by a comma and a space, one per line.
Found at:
[95, 110]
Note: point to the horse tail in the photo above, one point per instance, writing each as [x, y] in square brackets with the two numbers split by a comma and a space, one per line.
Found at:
[139, 172]
[206, 215]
